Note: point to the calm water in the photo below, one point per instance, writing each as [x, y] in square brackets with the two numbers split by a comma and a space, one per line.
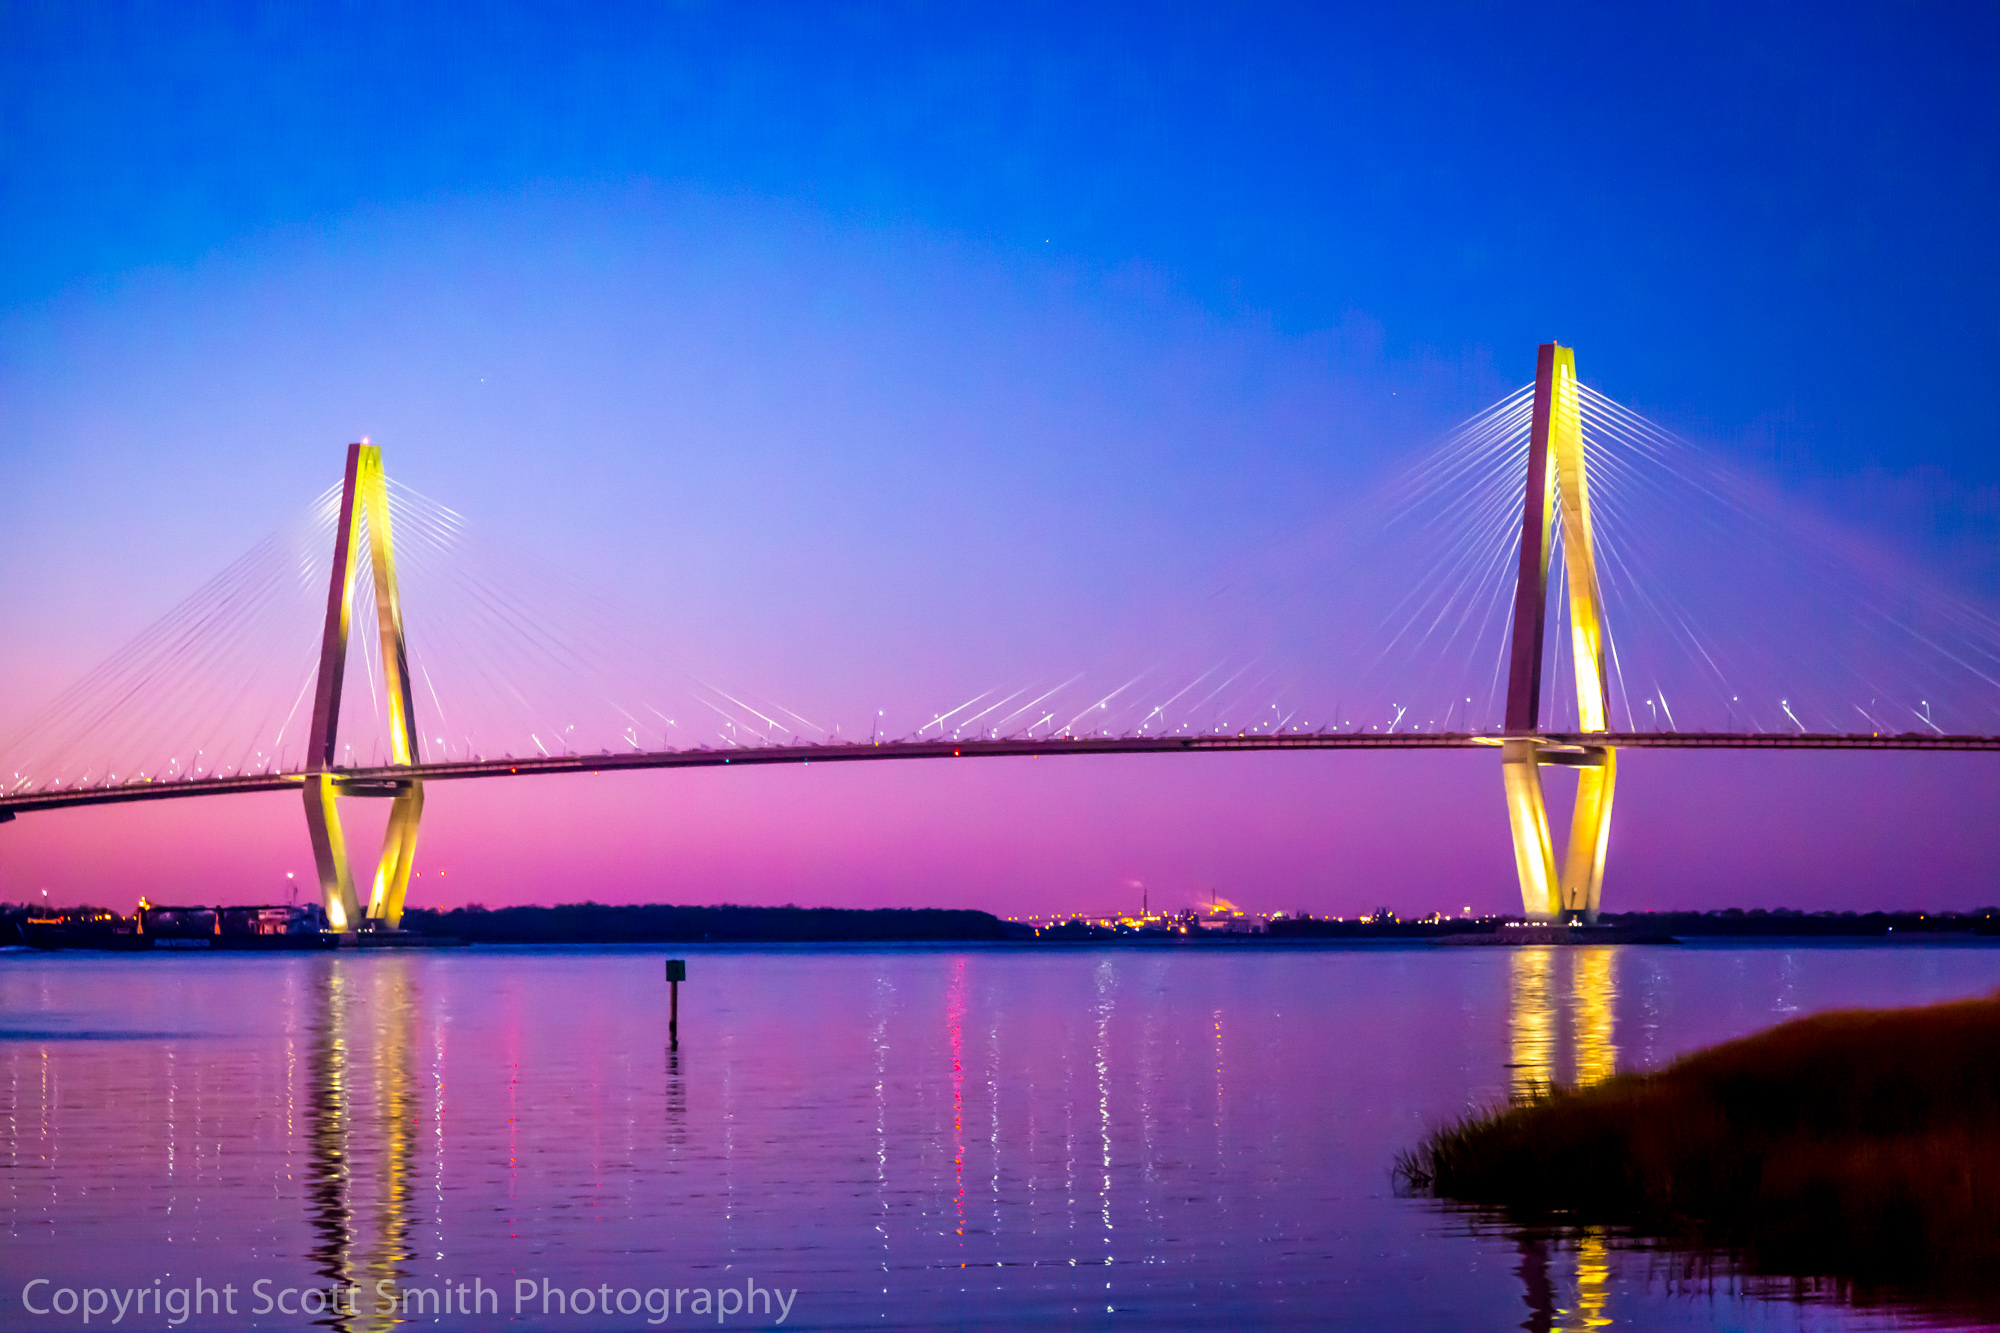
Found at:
[905, 1138]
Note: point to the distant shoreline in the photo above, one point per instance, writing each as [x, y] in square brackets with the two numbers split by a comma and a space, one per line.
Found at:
[667, 924]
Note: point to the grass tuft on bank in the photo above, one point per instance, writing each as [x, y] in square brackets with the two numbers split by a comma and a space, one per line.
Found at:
[1859, 1144]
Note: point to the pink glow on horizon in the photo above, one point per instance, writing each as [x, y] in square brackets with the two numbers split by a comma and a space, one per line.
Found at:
[1338, 834]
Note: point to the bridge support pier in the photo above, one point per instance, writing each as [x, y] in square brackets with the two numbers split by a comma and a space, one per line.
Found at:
[329, 844]
[399, 855]
[1589, 835]
[1528, 818]
[1580, 887]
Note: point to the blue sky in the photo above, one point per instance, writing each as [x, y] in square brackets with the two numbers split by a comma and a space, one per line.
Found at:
[830, 329]
[1749, 213]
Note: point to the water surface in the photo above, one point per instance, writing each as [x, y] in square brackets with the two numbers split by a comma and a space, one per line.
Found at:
[906, 1137]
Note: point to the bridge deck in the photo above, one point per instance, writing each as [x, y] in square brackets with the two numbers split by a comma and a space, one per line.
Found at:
[367, 781]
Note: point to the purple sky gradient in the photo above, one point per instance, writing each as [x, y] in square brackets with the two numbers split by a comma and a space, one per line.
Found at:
[846, 469]
[862, 450]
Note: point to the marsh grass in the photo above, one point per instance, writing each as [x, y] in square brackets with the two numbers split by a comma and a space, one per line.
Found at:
[1862, 1145]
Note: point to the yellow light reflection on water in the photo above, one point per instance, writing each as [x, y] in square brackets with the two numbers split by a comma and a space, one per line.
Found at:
[1593, 993]
[362, 1114]
[1563, 1034]
[1531, 1027]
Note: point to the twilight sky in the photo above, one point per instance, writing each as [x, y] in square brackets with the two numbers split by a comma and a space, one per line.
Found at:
[875, 358]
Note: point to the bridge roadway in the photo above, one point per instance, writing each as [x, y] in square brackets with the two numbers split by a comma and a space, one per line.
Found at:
[384, 781]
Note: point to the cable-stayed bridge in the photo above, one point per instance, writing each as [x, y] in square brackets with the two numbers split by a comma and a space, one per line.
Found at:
[1556, 504]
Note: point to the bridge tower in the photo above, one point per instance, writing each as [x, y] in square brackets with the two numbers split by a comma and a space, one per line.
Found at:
[1558, 490]
[364, 497]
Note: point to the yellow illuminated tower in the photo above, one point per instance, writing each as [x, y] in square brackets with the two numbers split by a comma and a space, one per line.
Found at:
[1558, 489]
[364, 496]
